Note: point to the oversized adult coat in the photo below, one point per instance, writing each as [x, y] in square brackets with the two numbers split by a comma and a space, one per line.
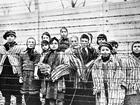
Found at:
[10, 69]
[132, 68]
[110, 73]
[56, 84]
[30, 85]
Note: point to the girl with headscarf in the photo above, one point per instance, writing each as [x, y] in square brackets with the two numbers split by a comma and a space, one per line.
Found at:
[132, 69]
[30, 87]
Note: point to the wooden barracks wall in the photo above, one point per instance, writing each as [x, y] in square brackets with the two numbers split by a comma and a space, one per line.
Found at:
[119, 21]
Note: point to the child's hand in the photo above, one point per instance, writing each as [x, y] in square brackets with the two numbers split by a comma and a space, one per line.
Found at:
[20, 79]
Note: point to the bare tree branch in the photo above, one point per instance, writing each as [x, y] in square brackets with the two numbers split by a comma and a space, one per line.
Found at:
[73, 3]
[62, 4]
[84, 3]
[5, 9]
[28, 5]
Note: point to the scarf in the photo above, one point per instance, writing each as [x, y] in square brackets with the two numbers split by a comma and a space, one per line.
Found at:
[31, 54]
[8, 45]
[48, 55]
[137, 55]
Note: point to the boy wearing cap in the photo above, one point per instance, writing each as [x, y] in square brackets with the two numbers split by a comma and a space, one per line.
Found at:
[108, 78]
[132, 69]
[10, 72]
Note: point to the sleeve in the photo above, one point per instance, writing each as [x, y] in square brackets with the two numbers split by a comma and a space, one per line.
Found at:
[20, 64]
[94, 54]
[121, 75]
[37, 58]
[95, 79]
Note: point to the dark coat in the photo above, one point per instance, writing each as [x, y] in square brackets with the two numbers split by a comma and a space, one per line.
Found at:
[63, 44]
[54, 89]
[30, 85]
[91, 55]
[10, 69]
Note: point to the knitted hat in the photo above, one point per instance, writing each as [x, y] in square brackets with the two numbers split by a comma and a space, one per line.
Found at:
[106, 44]
[10, 32]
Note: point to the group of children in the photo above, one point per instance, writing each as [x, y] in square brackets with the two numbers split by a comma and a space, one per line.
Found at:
[69, 73]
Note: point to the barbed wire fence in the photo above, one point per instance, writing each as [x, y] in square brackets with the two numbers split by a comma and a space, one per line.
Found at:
[119, 21]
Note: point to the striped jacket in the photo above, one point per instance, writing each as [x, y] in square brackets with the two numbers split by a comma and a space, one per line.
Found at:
[109, 72]
[132, 70]
[14, 59]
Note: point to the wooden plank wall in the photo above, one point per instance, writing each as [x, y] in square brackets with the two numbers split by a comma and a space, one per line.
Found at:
[119, 21]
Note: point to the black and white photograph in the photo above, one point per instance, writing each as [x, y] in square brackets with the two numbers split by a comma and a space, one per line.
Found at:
[69, 52]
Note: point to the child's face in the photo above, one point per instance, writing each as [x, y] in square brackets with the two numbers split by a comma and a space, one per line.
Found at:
[45, 37]
[115, 47]
[84, 42]
[74, 42]
[30, 43]
[105, 51]
[64, 33]
[54, 45]
[101, 40]
[136, 48]
[45, 47]
[10, 38]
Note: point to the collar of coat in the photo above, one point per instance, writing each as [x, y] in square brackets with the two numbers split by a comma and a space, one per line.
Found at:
[134, 57]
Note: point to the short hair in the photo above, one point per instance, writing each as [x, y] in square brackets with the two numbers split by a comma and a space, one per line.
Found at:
[113, 43]
[63, 28]
[47, 34]
[33, 39]
[52, 39]
[91, 37]
[84, 36]
[103, 36]
[44, 42]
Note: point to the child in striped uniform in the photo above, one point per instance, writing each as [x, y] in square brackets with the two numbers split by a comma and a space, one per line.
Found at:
[132, 69]
[108, 78]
